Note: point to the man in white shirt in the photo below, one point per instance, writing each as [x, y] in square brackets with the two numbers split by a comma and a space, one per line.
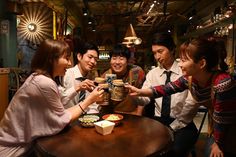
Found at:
[79, 78]
[185, 131]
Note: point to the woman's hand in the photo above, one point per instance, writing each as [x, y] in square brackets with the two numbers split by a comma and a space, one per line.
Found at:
[96, 95]
[133, 91]
[215, 151]
[78, 109]
[85, 85]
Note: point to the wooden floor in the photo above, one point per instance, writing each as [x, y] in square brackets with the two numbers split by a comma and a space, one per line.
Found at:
[199, 147]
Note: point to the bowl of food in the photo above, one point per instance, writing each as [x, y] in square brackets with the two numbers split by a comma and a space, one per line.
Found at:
[116, 118]
[104, 127]
[88, 120]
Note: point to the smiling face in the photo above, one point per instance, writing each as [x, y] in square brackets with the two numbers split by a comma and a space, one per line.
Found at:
[119, 64]
[188, 66]
[190, 63]
[61, 65]
[163, 56]
[87, 61]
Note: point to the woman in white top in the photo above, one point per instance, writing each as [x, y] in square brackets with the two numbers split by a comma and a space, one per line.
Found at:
[36, 109]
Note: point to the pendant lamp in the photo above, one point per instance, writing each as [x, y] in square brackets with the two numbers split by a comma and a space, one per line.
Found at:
[130, 33]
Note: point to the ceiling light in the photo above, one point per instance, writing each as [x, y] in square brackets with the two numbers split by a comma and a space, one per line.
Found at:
[90, 21]
[131, 37]
[127, 42]
[93, 28]
[192, 14]
[85, 11]
[150, 8]
[130, 33]
[230, 26]
[32, 27]
[137, 41]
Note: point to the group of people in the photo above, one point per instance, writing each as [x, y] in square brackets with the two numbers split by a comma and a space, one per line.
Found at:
[204, 74]
[54, 95]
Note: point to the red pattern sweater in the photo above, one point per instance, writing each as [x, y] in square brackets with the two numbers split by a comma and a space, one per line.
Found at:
[222, 91]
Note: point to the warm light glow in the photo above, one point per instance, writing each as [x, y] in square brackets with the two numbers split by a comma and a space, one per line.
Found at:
[35, 24]
[32, 27]
[230, 26]
[150, 8]
[130, 33]
[137, 41]
[131, 37]
[54, 25]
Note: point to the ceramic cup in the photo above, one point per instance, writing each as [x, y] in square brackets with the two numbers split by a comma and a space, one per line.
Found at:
[117, 90]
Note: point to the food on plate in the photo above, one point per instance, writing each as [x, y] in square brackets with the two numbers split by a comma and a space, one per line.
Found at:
[88, 120]
[113, 117]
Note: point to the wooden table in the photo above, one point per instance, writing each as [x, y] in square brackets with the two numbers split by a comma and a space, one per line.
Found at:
[135, 136]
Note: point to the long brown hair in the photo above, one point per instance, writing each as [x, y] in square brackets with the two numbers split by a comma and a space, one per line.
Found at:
[48, 52]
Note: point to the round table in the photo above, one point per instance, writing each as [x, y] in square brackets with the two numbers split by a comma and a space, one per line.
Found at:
[135, 136]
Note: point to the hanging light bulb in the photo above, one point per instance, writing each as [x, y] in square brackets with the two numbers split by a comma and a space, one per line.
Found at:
[93, 28]
[90, 21]
[85, 11]
[137, 41]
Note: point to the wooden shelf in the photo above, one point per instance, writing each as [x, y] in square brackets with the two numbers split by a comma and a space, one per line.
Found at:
[211, 27]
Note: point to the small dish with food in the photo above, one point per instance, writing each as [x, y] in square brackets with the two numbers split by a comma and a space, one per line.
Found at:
[116, 118]
[88, 120]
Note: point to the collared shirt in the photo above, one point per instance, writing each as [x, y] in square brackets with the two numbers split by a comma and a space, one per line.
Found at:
[69, 83]
[180, 102]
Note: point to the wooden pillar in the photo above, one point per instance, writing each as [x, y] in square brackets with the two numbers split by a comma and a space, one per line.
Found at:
[233, 46]
[3, 90]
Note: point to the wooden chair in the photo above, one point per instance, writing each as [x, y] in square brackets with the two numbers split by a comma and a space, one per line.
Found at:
[16, 79]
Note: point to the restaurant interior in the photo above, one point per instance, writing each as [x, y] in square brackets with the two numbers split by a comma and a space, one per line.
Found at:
[26, 23]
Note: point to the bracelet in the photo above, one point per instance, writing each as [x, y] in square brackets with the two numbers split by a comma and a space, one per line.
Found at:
[81, 109]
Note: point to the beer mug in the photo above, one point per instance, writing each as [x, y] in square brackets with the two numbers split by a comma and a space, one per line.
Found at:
[99, 80]
[106, 94]
[117, 90]
[109, 78]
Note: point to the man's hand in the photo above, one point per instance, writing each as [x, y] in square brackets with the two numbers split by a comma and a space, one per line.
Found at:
[85, 85]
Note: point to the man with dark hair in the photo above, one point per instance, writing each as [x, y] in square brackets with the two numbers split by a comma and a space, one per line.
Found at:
[79, 77]
[133, 74]
[169, 109]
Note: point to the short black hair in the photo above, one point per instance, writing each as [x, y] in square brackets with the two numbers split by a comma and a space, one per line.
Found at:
[163, 39]
[84, 47]
[120, 50]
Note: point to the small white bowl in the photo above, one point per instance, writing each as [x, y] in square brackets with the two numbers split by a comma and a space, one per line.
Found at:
[104, 127]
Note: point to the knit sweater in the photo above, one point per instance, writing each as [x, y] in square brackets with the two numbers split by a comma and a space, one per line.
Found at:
[221, 90]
